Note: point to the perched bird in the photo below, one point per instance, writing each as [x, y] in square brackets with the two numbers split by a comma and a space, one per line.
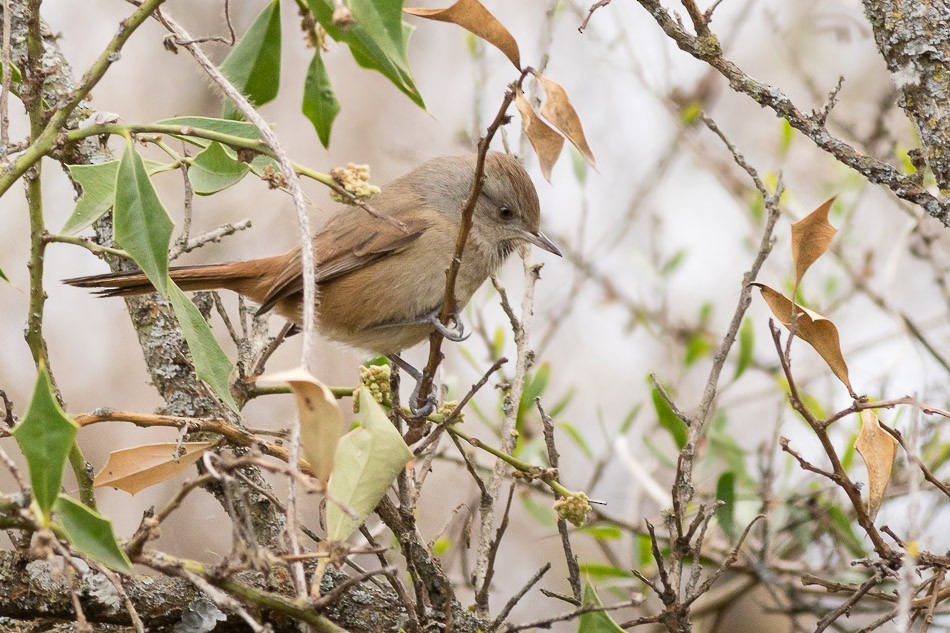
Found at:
[381, 285]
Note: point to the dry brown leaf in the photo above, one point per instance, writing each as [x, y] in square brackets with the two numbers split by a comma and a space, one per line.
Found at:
[137, 468]
[811, 237]
[811, 327]
[878, 449]
[321, 423]
[472, 16]
[546, 142]
[557, 109]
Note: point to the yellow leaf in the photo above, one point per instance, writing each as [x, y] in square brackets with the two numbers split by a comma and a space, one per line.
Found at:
[878, 449]
[546, 142]
[557, 109]
[321, 421]
[811, 327]
[137, 468]
[472, 16]
[811, 237]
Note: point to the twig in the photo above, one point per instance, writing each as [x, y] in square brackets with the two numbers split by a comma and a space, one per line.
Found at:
[597, 5]
[465, 226]
[503, 614]
[573, 570]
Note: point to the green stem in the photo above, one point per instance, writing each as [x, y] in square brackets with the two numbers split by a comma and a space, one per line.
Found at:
[184, 132]
[514, 462]
[44, 139]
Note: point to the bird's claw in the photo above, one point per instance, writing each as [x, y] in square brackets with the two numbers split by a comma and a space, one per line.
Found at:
[456, 335]
[423, 410]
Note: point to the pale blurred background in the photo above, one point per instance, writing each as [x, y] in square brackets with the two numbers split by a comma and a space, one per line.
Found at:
[619, 74]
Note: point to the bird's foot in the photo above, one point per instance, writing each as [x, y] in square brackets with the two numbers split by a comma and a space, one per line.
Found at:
[417, 407]
[455, 334]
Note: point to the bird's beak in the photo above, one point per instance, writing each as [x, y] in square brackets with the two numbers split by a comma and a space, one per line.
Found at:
[541, 240]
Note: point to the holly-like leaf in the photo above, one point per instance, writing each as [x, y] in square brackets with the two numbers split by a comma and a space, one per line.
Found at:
[253, 65]
[212, 365]
[378, 38]
[98, 192]
[557, 109]
[546, 142]
[368, 459]
[811, 237]
[811, 327]
[91, 535]
[142, 226]
[878, 449]
[321, 422]
[320, 104]
[213, 169]
[134, 469]
[45, 436]
[474, 17]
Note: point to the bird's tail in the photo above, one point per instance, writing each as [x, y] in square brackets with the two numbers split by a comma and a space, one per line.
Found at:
[231, 276]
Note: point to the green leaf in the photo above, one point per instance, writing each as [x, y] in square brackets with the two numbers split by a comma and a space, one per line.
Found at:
[673, 263]
[668, 420]
[91, 535]
[595, 621]
[785, 140]
[533, 389]
[726, 514]
[601, 571]
[98, 192]
[212, 365]
[368, 459]
[4, 277]
[602, 532]
[45, 435]
[214, 169]
[697, 347]
[845, 531]
[320, 104]
[142, 226]
[746, 347]
[578, 439]
[378, 40]
[542, 513]
[241, 129]
[253, 65]
[644, 551]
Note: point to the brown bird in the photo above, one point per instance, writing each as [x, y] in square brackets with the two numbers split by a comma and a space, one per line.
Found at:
[381, 286]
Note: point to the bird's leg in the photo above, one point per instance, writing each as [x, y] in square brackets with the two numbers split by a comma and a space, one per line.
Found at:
[457, 334]
[428, 407]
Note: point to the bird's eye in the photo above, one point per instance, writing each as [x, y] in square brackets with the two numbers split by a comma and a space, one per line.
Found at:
[505, 213]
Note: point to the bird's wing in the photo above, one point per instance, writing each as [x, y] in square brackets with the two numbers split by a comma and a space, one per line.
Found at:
[340, 252]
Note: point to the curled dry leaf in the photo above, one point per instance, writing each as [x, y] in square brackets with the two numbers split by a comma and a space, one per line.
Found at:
[811, 327]
[472, 16]
[811, 237]
[137, 468]
[546, 142]
[557, 109]
[878, 449]
[320, 419]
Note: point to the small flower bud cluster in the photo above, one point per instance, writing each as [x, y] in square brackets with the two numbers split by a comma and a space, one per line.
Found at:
[447, 408]
[573, 508]
[355, 179]
[376, 379]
